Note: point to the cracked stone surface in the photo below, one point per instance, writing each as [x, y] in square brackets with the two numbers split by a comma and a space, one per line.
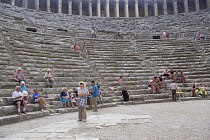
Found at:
[187, 120]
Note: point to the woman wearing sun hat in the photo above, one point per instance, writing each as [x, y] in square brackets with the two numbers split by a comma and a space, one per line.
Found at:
[18, 75]
[82, 101]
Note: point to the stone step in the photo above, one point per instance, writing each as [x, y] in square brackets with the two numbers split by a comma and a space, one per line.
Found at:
[5, 120]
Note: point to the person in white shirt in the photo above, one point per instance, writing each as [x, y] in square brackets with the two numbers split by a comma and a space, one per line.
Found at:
[17, 97]
[49, 79]
[173, 88]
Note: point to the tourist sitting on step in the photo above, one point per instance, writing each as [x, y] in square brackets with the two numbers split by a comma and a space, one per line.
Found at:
[176, 76]
[179, 92]
[194, 90]
[150, 85]
[202, 91]
[17, 97]
[37, 97]
[202, 37]
[64, 98]
[182, 77]
[197, 36]
[156, 88]
[72, 98]
[166, 74]
[100, 97]
[49, 80]
[125, 94]
[120, 80]
[23, 89]
[162, 83]
[18, 75]
[171, 74]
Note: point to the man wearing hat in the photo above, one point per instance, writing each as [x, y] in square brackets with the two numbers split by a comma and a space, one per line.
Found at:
[49, 79]
[17, 97]
[94, 92]
[18, 75]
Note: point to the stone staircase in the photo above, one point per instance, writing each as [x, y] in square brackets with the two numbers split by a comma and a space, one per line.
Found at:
[108, 58]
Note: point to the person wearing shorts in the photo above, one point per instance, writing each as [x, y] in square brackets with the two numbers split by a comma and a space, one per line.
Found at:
[17, 97]
[38, 99]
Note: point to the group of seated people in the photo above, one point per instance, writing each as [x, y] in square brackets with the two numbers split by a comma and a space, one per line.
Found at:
[20, 98]
[20, 95]
[199, 36]
[49, 79]
[198, 91]
[69, 97]
[158, 83]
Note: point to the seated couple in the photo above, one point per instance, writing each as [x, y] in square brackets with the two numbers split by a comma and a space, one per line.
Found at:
[68, 98]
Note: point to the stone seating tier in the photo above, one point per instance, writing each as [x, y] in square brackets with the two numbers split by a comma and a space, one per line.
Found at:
[137, 61]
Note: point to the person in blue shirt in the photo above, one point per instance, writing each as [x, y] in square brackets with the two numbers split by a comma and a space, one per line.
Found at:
[64, 98]
[94, 92]
[23, 89]
[37, 97]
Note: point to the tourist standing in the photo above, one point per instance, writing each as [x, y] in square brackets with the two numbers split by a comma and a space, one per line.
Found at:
[84, 50]
[75, 47]
[100, 95]
[173, 88]
[82, 101]
[94, 92]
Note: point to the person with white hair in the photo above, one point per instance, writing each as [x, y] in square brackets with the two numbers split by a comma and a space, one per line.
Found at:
[17, 97]
[49, 79]
[18, 75]
[23, 89]
[82, 101]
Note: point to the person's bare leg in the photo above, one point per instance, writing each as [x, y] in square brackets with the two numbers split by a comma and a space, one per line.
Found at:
[18, 106]
[24, 106]
[41, 105]
[44, 102]
[158, 89]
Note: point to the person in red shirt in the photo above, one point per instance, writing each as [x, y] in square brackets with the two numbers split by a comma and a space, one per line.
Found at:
[75, 47]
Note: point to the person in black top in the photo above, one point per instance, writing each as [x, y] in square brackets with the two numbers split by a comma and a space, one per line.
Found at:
[171, 74]
[125, 94]
[162, 83]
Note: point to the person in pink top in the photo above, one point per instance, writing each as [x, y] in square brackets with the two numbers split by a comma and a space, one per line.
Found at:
[120, 80]
[18, 76]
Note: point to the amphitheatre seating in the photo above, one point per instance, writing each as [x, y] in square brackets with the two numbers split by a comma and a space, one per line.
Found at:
[181, 25]
[181, 55]
[136, 60]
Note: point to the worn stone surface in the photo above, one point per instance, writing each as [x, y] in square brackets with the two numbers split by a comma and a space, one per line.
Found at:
[163, 121]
